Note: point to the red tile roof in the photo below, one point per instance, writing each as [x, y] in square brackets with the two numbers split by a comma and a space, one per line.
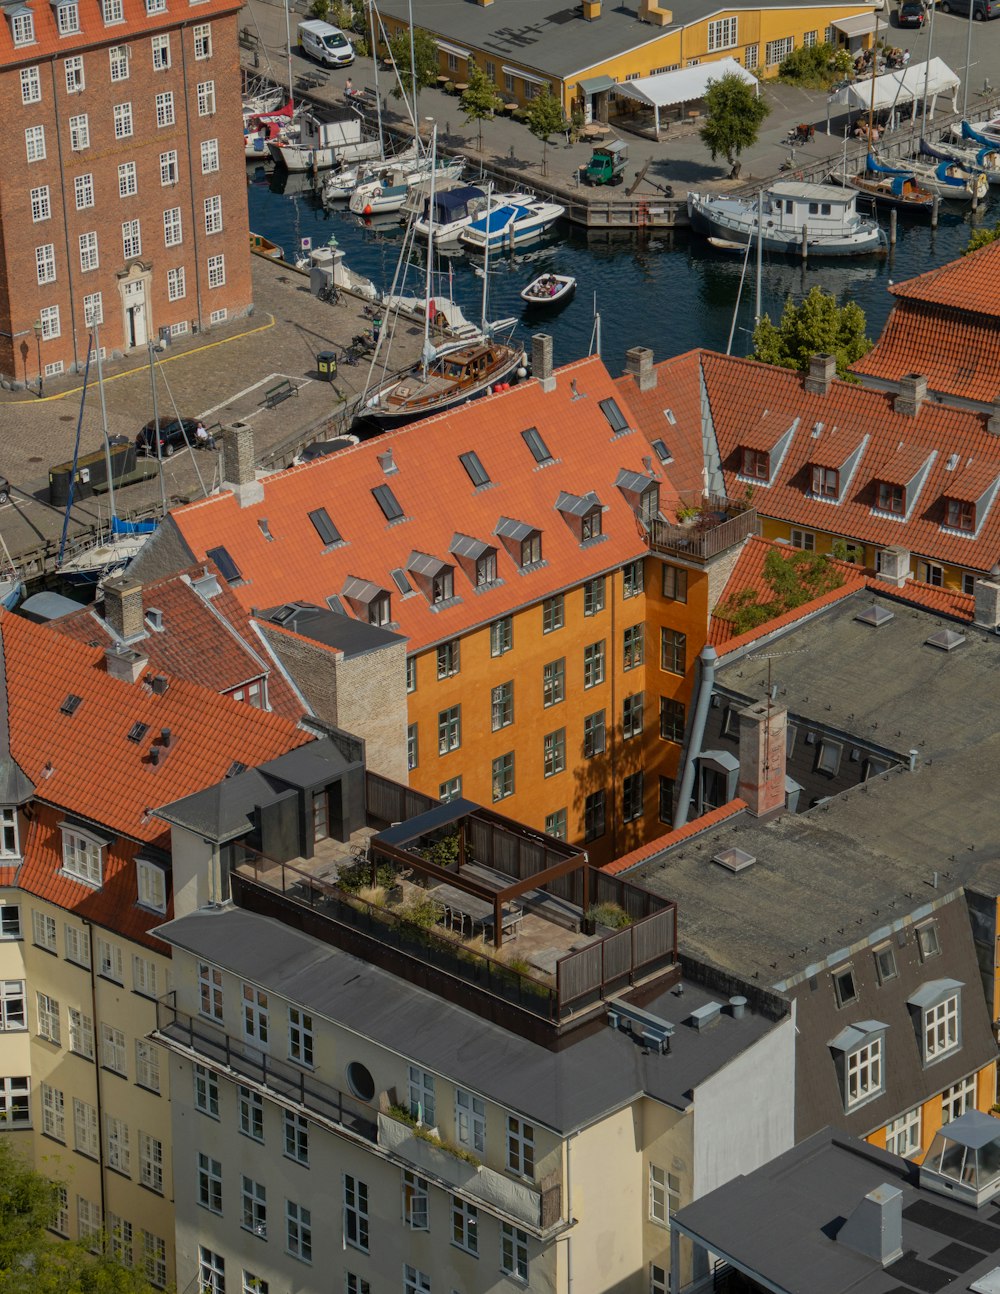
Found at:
[967, 283]
[946, 602]
[439, 500]
[203, 640]
[671, 411]
[694, 828]
[83, 763]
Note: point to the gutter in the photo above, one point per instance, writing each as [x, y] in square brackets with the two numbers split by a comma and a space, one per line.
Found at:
[706, 682]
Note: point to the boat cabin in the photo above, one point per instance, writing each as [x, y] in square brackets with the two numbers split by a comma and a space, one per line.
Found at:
[820, 206]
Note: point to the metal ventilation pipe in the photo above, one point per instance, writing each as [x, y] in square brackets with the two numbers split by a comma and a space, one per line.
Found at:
[703, 698]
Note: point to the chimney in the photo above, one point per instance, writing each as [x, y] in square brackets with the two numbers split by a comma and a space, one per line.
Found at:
[894, 565]
[206, 585]
[387, 462]
[993, 421]
[822, 371]
[125, 664]
[591, 10]
[763, 733]
[912, 394]
[639, 363]
[875, 1226]
[541, 360]
[987, 610]
[123, 608]
[238, 468]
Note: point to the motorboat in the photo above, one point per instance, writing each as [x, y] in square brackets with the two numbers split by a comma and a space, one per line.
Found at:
[950, 180]
[517, 220]
[977, 157]
[324, 142]
[264, 247]
[456, 373]
[389, 191]
[888, 186]
[454, 210]
[548, 291]
[261, 128]
[827, 218]
[985, 132]
[377, 198]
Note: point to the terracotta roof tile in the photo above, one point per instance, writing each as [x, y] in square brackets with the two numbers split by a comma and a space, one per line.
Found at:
[671, 411]
[437, 498]
[694, 828]
[946, 602]
[968, 283]
[958, 353]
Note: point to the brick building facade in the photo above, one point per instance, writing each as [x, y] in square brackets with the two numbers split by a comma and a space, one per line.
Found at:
[125, 204]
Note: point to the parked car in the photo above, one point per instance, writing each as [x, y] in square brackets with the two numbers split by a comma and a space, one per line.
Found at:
[325, 43]
[4, 490]
[984, 8]
[175, 433]
[911, 13]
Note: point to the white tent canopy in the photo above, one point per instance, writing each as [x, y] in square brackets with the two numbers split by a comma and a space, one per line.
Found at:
[893, 89]
[682, 86]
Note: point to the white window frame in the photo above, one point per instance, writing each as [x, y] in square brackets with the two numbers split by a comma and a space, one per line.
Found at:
[15, 1102]
[73, 69]
[722, 34]
[217, 271]
[415, 1201]
[79, 132]
[864, 1076]
[114, 1051]
[48, 1018]
[213, 214]
[210, 991]
[415, 1281]
[43, 930]
[83, 854]
[41, 206]
[151, 885]
[298, 1231]
[251, 1113]
[93, 309]
[145, 976]
[301, 1040]
[423, 1104]
[206, 1091]
[45, 263]
[147, 1065]
[253, 1198]
[206, 98]
[77, 944]
[131, 239]
[356, 1224]
[776, 51]
[256, 1014]
[81, 1033]
[165, 115]
[520, 1147]
[123, 118]
[10, 921]
[464, 1225]
[941, 1029]
[68, 18]
[85, 1135]
[209, 1183]
[958, 1099]
[211, 1266]
[89, 253]
[34, 143]
[154, 1259]
[160, 50]
[13, 1006]
[664, 1195]
[119, 1154]
[110, 963]
[902, 1135]
[118, 60]
[83, 191]
[202, 38]
[51, 330]
[53, 1113]
[470, 1121]
[514, 1252]
[168, 168]
[209, 156]
[22, 27]
[176, 284]
[296, 1134]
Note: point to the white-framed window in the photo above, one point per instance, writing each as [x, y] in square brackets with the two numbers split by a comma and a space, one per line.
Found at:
[120, 1239]
[113, 1051]
[354, 1284]
[415, 1202]
[251, 1108]
[864, 1073]
[297, 1137]
[256, 1016]
[83, 191]
[464, 1225]
[202, 35]
[355, 1213]
[206, 1091]
[43, 929]
[82, 854]
[79, 132]
[751, 56]
[113, 12]
[415, 1281]
[88, 1219]
[513, 1251]
[53, 1112]
[147, 1065]
[778, 50]
[154, 1259]
[31, 85]
[809, 39]
[10, 921]
[722, 34]
[34, 143]
[68, 19]
[119, 1155]
[254, 1202]
[941, 1028]
[51, 327]
[145, 979]
[298, 1231]
[421, 1091]
[161, 51]
[54, 368]
[956, 1100]
[659, 1280]
[60, 1223]
[15, 1102]
[165, 108]
[176, 289]
[804, 539]
[206, 98]
[213, 214]
[77, 943]
[210, 991]
[89, 259]
[45, 263]
[73, 67]
[131, 239]
[209, 1183]
[118, 56]
[22, 27]
[123, 120]
[664, 1194]
[41, 207]
[156, 6]
[93, 309]
[168, 167]
[81, 1033]
[48, 1018]
[252, 1284]
[85, 1137]
[151, 882]
[209, 156]
[109, 961]
[470, 1121]
[216, 271]
[520, 1147]
[300, 1036]
[902, 1135]
[211, 1266]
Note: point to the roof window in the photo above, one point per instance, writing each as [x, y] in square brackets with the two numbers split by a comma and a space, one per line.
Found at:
[324, 527]
[229, 570]
[477, 474]
[616, 419]
[235, 768]
[539, 449]
[401, 582]
[335, 605]
[583, 513]
[844, 986]
[388, 502]
[435, 578]
[71, 704]
[662, 452]
[138, 731]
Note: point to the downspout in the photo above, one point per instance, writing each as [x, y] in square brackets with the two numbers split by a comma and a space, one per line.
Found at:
[194, 214]
[704, 686]
[62, 199]
[101, 1166]
[568, 1213]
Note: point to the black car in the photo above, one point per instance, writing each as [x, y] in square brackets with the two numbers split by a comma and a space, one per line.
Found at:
[175, 433]
[912, 13]
[4, 490]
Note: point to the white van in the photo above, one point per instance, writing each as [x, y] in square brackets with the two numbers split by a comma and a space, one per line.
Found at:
[325, 43]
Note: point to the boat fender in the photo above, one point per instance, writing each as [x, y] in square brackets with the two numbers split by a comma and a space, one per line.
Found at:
[489, 390]
[522, 373]
[368, 209]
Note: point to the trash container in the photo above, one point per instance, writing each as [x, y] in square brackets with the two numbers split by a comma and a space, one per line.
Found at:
[326, 365]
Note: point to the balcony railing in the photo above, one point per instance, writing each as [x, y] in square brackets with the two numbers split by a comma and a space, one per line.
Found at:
[711, 524]
[175, 1029]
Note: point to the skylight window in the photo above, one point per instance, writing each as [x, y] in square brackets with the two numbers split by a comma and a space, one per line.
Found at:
[71, 704]
[325, 528]
[401, 582]
[662, 452]
[616, 419]
[388, 502]
[235, 768]
[478, 474]
[138, 731]
[229, 570]
[538, 447]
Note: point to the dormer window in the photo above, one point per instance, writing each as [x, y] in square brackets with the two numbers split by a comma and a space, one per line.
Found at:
[83, 855]
[68, 17]
[531, 549]
[891, 498]
[151, 884]
[435, 578]
[8, 834]
[858, 1055]
[368, 601]
[937, 1018]
[756, 464]
[477, 559]
[443, 585]
[379, 609]
[486, 568]
[959, 514]
[590, 525]
[582, 513]
[826, 483]
[22, 25]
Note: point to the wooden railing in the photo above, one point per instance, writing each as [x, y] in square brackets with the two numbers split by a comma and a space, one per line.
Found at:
[705, 538]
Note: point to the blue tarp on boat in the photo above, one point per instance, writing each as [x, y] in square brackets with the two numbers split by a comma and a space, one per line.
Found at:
[121, 527]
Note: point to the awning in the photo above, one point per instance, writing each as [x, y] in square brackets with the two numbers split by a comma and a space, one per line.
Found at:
[860, 25]
[596, 84]
[895, 88]
[526, 76]
[682, 86]
[457, 50]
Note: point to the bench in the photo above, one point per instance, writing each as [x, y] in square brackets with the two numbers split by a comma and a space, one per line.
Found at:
[280, 391]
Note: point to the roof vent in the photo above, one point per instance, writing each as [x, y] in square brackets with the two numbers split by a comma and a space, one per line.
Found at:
[874, 1227]
[155, 754]
[952, 463]
[124, 663]
[387, 462]
[733, 859]
[166, 737]
[705, 1015]
[159, 684]
[945, 639]
[154, 618]
[875, 615]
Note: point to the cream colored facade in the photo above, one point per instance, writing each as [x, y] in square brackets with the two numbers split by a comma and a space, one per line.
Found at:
[99, 1110]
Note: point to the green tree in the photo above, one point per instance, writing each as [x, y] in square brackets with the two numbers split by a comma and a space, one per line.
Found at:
[545, 116]
[735, 113]
[817, 326]
[481, 100]
[425, 59]
[793, 578]
[981, 238]
[320, 9]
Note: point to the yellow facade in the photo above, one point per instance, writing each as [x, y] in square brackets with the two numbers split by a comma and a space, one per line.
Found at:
[932, 1112]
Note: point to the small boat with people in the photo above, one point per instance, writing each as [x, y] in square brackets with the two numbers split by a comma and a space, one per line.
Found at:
[784, 214]
[985, 158]
[548, 291]
[888, 186]
[518, 219]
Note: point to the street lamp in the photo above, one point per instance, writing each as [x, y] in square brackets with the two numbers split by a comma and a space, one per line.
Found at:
[37, 327]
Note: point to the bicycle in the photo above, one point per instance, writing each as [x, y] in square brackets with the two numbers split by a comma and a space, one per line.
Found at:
[331, 294]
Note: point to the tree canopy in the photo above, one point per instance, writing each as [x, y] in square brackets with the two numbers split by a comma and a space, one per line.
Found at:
[793, 578]
[481, 100]
[425, 59]
[545, 116]
[32, 1260]
[981, 238]
[817, 326]
[734, 115]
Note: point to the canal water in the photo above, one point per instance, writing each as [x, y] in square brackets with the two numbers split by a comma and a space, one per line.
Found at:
[664, 289]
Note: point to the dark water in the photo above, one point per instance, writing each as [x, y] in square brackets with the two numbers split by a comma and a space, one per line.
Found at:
[666, 290]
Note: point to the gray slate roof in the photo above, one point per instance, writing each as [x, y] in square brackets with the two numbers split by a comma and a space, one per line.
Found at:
[352, 637]
[561, 1090]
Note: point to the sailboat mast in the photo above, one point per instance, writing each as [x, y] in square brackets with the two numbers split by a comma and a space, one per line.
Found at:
[927, 65]
[104, 423]
[486, 256]
[429, 274]
[288, 48]
[413, 72]
[156, 423]
[871, 109]
[968, 57]
[375, 62]
[760, 256]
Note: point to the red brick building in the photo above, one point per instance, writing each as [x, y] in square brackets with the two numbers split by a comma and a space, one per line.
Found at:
[125, 201]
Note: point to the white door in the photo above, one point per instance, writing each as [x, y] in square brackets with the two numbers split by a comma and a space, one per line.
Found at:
[255, 1017]
[135, 314]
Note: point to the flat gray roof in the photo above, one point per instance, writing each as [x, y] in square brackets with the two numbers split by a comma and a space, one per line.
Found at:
[783, 1223]
[833, 874]
[561, 1090]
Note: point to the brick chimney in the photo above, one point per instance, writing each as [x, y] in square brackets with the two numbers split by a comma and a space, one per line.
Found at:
[822, 371]
[123, 608]
[987, 609]
[912, 394]
[541, 360]
[993, 421]
[763, 733]
[639, 363]
[238, 467]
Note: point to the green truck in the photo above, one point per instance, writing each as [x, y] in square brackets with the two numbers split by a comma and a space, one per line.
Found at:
[607, 163]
